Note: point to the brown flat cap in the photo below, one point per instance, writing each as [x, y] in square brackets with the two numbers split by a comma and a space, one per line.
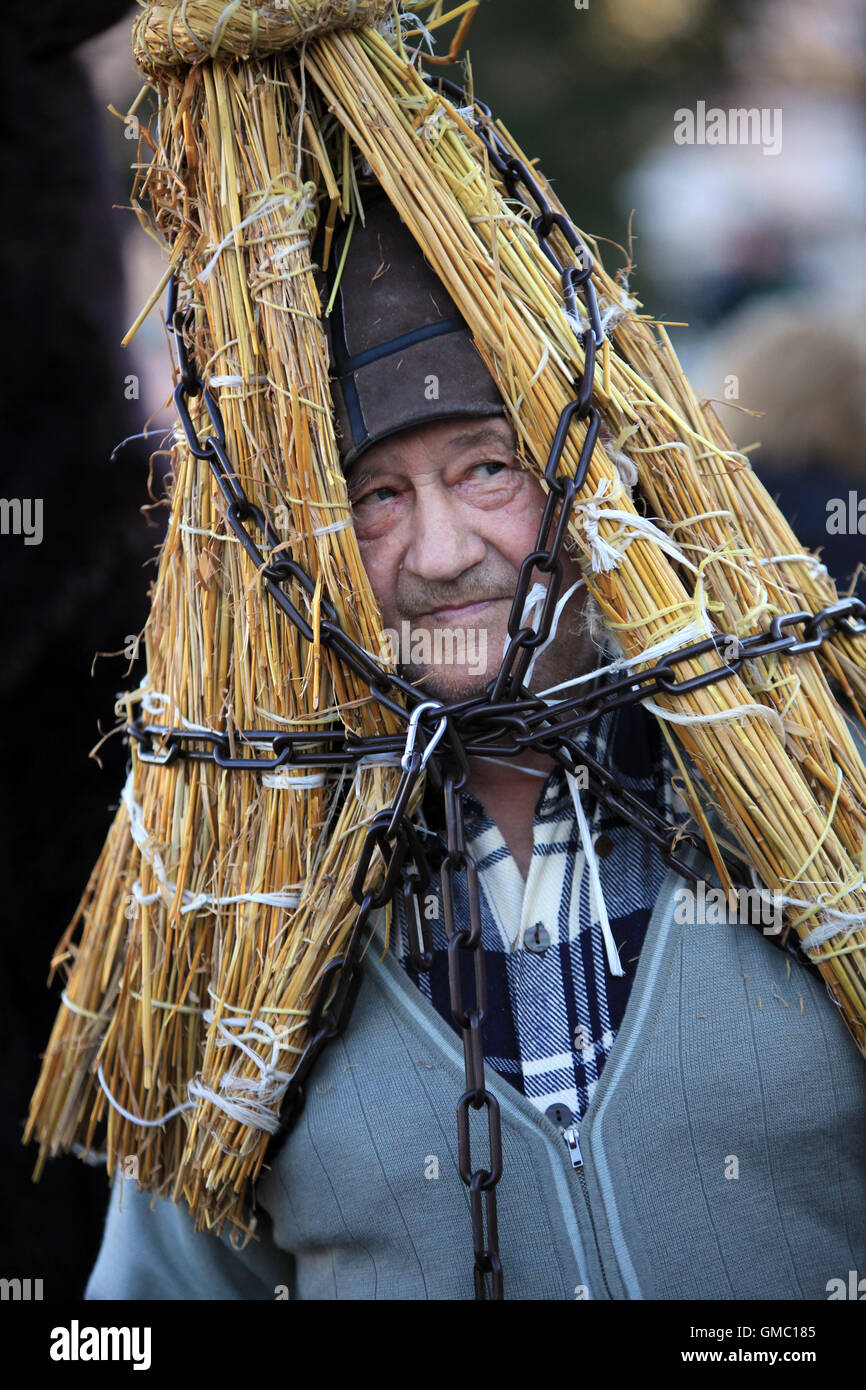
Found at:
[401, 354]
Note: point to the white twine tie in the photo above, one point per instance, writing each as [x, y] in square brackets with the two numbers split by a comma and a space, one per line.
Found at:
[614, 964]
[534, 599]
[253, 1101]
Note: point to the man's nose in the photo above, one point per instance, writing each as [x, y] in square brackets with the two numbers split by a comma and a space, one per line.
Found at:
[443, 541]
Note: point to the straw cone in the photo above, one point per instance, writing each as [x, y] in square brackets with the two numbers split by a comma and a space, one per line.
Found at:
[254, 148]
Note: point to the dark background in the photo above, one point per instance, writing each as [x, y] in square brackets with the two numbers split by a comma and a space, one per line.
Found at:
[761, 254]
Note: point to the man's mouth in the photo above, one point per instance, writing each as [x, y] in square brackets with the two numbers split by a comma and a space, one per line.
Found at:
[459, 612]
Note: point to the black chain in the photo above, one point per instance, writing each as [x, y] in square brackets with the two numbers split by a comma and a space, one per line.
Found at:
[163, 743]
[465, 943]
[503, 721]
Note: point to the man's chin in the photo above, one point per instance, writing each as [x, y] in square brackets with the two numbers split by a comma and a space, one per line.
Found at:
[447, 686]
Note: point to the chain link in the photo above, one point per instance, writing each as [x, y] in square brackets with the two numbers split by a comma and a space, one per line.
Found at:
[503, 722]
[465, 944]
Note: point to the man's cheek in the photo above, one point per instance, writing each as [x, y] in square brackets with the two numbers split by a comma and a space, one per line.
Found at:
[382, 589]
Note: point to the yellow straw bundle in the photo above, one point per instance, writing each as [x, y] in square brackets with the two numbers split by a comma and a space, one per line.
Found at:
[509, 294]
[151, 964]
[218, 899]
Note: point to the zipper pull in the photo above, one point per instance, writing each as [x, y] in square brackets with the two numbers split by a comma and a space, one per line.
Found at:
[570, 1137]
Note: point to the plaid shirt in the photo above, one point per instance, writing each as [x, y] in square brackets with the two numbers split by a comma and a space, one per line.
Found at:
[553, 1013]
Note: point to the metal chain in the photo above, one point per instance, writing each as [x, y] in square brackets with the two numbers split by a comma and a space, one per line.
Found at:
[335, 748]
[465, 943]
[503, 721]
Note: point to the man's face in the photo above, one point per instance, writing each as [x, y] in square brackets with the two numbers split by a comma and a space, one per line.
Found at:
[444, 515]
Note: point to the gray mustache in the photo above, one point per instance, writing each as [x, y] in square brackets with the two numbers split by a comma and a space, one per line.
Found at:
[418, 599]
[420, 609]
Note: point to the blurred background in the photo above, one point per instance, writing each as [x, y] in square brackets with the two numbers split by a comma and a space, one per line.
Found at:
[760, 253]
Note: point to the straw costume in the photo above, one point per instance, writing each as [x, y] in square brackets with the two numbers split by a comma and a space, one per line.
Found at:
[271, 816]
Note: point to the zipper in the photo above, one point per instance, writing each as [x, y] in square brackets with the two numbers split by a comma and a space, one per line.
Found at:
[570, 1136]
[571, 1139]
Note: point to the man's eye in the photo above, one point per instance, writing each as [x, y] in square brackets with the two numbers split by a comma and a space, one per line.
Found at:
[495, 464]
[379, 494]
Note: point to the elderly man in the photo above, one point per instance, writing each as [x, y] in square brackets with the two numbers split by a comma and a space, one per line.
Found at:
[681, 1106]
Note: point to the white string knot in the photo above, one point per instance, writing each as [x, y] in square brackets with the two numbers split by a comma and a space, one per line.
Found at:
[387, 27]
[611, 313]
[251, 1100]
[604, 555]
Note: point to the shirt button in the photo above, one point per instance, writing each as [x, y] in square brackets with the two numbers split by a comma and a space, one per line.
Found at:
[537, 939]
[559, 1114]
[603, 846]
